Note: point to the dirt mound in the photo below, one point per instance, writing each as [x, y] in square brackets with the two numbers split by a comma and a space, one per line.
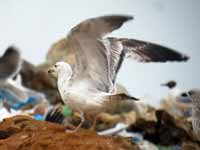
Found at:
[24, 133]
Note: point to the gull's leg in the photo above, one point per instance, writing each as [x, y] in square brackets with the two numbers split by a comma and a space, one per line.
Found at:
[94, 123]
[80, 124]
[82, 120]
[114, 90]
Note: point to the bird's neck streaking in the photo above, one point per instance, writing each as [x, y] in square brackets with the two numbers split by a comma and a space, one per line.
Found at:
[63, 81]
[196, 105]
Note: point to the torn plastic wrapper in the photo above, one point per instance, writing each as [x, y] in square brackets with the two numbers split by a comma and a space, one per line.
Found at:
[11, 102]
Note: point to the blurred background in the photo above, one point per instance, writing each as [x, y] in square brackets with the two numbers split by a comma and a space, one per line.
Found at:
[33, 26]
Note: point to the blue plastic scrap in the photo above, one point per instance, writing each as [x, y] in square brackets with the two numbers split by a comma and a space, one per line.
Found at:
[15, 103]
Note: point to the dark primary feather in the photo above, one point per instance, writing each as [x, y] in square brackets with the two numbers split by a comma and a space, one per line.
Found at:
[150, 52]
[9, 63]
[138, 50]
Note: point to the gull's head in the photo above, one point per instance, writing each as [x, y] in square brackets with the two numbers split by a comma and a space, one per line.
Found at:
[170, 84]
[194, 94]
[61, 68]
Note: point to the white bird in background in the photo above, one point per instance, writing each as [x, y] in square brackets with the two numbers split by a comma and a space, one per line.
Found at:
[178, 100]
[175, 93]
[89, 84]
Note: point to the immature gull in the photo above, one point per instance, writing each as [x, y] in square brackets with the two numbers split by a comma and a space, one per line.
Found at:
[195, 97]
[99, 59]
[10, 65]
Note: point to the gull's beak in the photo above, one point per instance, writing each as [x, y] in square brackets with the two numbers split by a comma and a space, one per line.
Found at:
[135, 99]
[50, 71]
[163, 84]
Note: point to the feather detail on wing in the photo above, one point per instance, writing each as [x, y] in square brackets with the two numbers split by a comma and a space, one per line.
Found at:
[150, 52]
[92, 57]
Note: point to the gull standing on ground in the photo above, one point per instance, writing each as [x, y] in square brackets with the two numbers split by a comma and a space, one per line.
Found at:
[89, 84]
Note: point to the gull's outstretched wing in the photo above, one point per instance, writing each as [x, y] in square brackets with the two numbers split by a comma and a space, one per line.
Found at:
[150, 52]
[92, 57]
[140, 51]
[10, 63]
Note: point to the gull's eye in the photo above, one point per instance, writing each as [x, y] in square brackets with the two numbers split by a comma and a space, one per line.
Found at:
[56, 66]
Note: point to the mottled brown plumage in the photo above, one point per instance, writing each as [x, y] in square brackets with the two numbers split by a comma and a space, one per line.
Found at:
[10, 63]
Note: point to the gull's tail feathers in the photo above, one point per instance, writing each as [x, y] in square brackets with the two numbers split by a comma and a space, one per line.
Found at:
[121, 97]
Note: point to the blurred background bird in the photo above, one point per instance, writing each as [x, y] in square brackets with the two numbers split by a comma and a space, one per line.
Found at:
[176, 101]
[12, 93]
[195, 97]
[10, 65]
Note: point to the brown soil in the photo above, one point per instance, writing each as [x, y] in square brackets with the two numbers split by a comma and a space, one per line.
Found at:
[24, 133]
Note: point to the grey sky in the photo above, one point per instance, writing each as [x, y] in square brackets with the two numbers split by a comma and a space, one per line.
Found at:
[34, 25]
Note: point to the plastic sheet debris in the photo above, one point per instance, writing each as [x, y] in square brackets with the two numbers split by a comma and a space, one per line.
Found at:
[11, 102]
[114, 131]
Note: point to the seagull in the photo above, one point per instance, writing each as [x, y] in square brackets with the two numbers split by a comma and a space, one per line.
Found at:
[175, 93]
[89, 84]
[195, 97]
[83, 94]
[178, 101]
[10, 65]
